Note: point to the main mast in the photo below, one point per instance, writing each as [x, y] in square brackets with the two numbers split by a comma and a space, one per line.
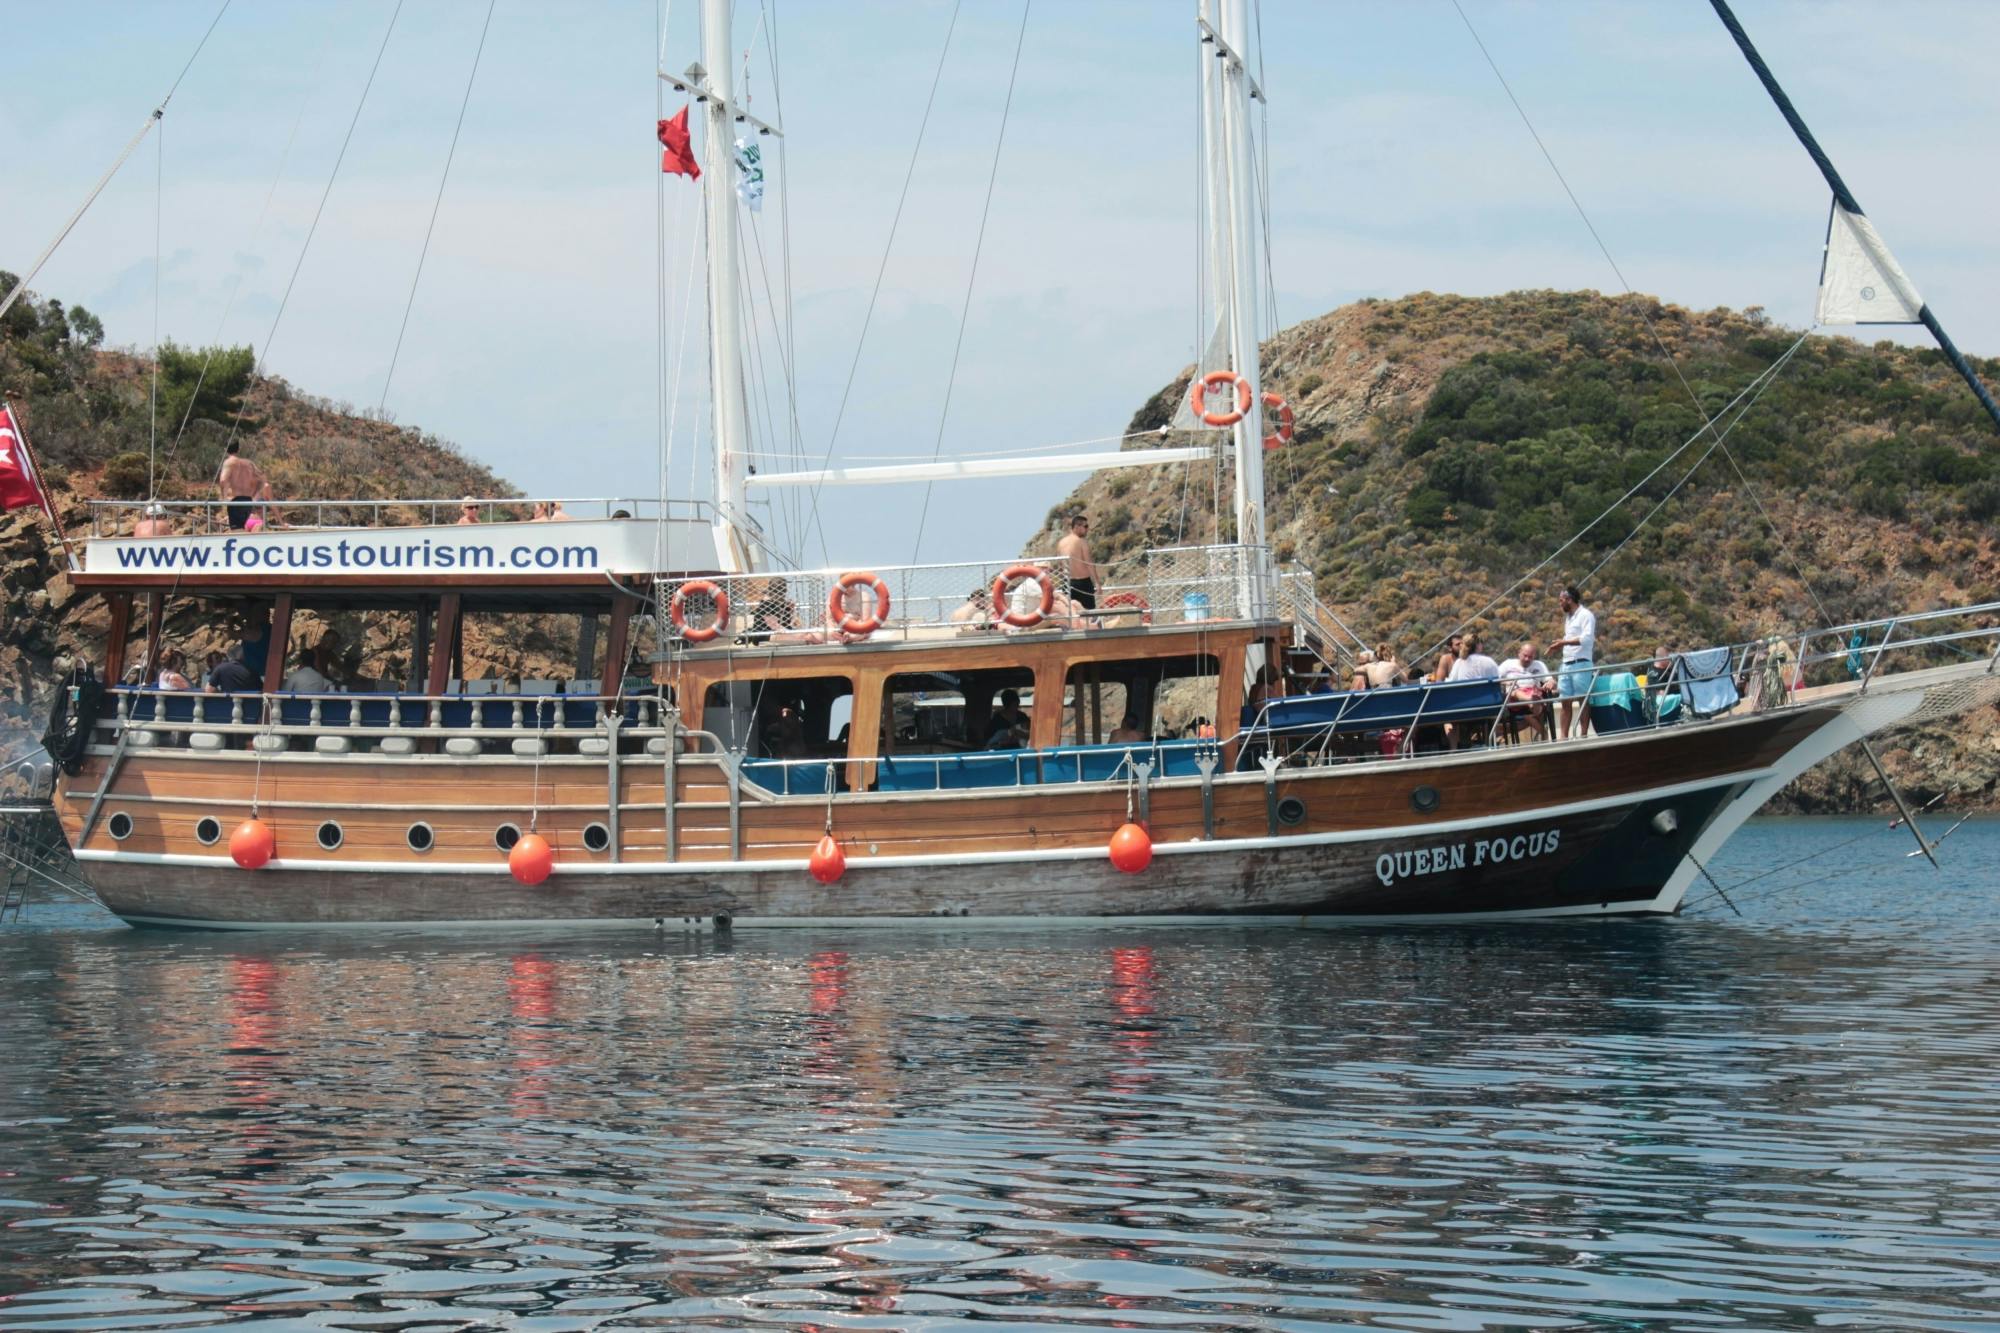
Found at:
[731, 409]
[1240, 236]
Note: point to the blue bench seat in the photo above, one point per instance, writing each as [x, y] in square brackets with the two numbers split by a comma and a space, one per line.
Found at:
[1380, 709]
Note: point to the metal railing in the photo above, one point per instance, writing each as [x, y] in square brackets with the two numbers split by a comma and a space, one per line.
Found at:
[1182, 585]
[180, 518]
[173, 715]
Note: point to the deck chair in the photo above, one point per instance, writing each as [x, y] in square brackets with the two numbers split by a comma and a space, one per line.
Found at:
[1707, 685]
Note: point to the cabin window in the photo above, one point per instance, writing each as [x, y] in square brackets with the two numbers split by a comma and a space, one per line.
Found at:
[1163, 696]
[947, 712]
[800, 718]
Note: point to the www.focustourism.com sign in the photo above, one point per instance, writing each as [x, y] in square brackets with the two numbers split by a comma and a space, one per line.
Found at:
[614, 546]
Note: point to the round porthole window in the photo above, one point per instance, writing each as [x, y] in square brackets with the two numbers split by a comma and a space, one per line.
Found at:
[207, 832]
[1425, 800]
[420, 838]
[506, 836]
[1291, 812]
[596, 837]
[119, 826]
[330, 836]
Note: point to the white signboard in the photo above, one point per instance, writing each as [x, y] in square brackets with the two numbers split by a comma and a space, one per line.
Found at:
[584, 546]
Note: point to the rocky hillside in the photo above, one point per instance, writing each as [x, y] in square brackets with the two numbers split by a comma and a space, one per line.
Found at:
[1446, 445]
[88, 411]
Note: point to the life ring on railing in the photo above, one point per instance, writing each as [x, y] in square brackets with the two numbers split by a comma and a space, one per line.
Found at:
[1283, 434]
[677, 610]
[1003, 587]
[1131, 599]
[859, 627]
[1215, 379]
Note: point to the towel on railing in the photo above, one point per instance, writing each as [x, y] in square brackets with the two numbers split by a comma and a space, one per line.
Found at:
[1706, 683]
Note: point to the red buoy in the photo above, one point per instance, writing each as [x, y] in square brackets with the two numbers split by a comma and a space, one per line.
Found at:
[828, 862]
[252, 844]
[1131, 849]
[532, 859]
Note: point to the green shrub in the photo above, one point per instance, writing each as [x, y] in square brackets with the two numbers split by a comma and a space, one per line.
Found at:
[127, 476]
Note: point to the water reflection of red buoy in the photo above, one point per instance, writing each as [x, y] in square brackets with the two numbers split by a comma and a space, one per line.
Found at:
[828, 862]
[1131, 849]
[252, 844]
[531, 859]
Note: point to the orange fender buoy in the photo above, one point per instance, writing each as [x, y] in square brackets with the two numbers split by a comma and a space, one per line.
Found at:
[1122, 601]
[532, 859]
[1215, 379]
[1003, 588]
[252, 844]
[1131, 848]
[828, 862]
[1282, 410]
[859, 627]
[677, 610]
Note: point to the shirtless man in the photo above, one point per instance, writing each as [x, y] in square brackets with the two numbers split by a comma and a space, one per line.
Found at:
[1075, 546]
[241, 481]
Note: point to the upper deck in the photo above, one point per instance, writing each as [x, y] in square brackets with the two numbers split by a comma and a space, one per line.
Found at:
[394, 543]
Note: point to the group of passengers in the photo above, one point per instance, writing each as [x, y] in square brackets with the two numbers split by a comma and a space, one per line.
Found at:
[1542, 701]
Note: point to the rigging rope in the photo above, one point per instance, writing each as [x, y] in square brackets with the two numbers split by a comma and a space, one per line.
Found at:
[881, 270]
[236, 286]
[972, 277]
[313, 229]
[436, 203]
[1644, 319]
[157, 116]
[1763, 378]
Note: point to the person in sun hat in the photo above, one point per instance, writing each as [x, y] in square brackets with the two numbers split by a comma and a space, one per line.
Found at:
[468, 512]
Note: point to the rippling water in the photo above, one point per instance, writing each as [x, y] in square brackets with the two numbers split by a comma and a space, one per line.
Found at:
[1778, 1120]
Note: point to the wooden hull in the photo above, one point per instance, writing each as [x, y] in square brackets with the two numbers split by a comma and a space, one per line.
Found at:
[1595, 827]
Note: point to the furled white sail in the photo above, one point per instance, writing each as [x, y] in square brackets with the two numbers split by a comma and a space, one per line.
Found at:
[1861, 282]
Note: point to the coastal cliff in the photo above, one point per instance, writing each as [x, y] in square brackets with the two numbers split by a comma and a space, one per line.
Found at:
[1446, 445]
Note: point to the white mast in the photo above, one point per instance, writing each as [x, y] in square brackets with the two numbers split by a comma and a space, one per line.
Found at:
[1240, 236]
[731, 407]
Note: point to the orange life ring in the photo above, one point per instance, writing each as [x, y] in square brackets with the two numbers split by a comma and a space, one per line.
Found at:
[1133, 600]
[677, 609]
[1283, 434]
[859, 627]
[1215, 379]
[1019, 619]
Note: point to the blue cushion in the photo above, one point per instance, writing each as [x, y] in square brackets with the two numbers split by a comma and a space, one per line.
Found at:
[1390, 706]
[580, 713]
[178, 707]
[294, 711]
[142, 706]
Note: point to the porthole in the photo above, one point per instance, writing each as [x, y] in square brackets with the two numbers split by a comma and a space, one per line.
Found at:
[119, 826]
[207, 832]
[330, 836]
[506, 836]
[1291, 812]
[420, 837]
[596, 837]
[1425, 800]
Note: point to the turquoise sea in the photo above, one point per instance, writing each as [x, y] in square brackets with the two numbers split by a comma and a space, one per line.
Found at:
[1784, 1119]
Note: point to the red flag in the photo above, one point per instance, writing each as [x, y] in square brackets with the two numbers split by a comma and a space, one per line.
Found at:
[19, 487]
[678, 160]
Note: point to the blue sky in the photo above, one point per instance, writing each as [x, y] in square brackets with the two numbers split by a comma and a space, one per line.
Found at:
[1397, 166]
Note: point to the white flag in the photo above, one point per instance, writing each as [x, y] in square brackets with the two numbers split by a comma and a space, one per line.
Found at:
[1862, 283]
[750, 174]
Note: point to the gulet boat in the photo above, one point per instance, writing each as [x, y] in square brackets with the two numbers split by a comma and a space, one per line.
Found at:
[812, 747]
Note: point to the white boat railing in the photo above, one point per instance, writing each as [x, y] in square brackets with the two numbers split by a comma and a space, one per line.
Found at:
[120, 518]
[795, 608]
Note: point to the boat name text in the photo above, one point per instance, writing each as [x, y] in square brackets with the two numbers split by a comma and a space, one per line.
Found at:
[1392, 866]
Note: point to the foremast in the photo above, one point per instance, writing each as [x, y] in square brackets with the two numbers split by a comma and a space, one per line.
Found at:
[1227, 91]
[734, 530]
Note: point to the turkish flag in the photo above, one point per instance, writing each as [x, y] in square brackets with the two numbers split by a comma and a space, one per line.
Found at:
[19, 487]
[678, 160]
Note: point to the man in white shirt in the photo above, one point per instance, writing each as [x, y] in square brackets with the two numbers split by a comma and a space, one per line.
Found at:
[1579, 655]
[1474, 664]
[1528, 683]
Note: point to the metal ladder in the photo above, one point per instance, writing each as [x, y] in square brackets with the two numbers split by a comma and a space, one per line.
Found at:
[33, 850]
